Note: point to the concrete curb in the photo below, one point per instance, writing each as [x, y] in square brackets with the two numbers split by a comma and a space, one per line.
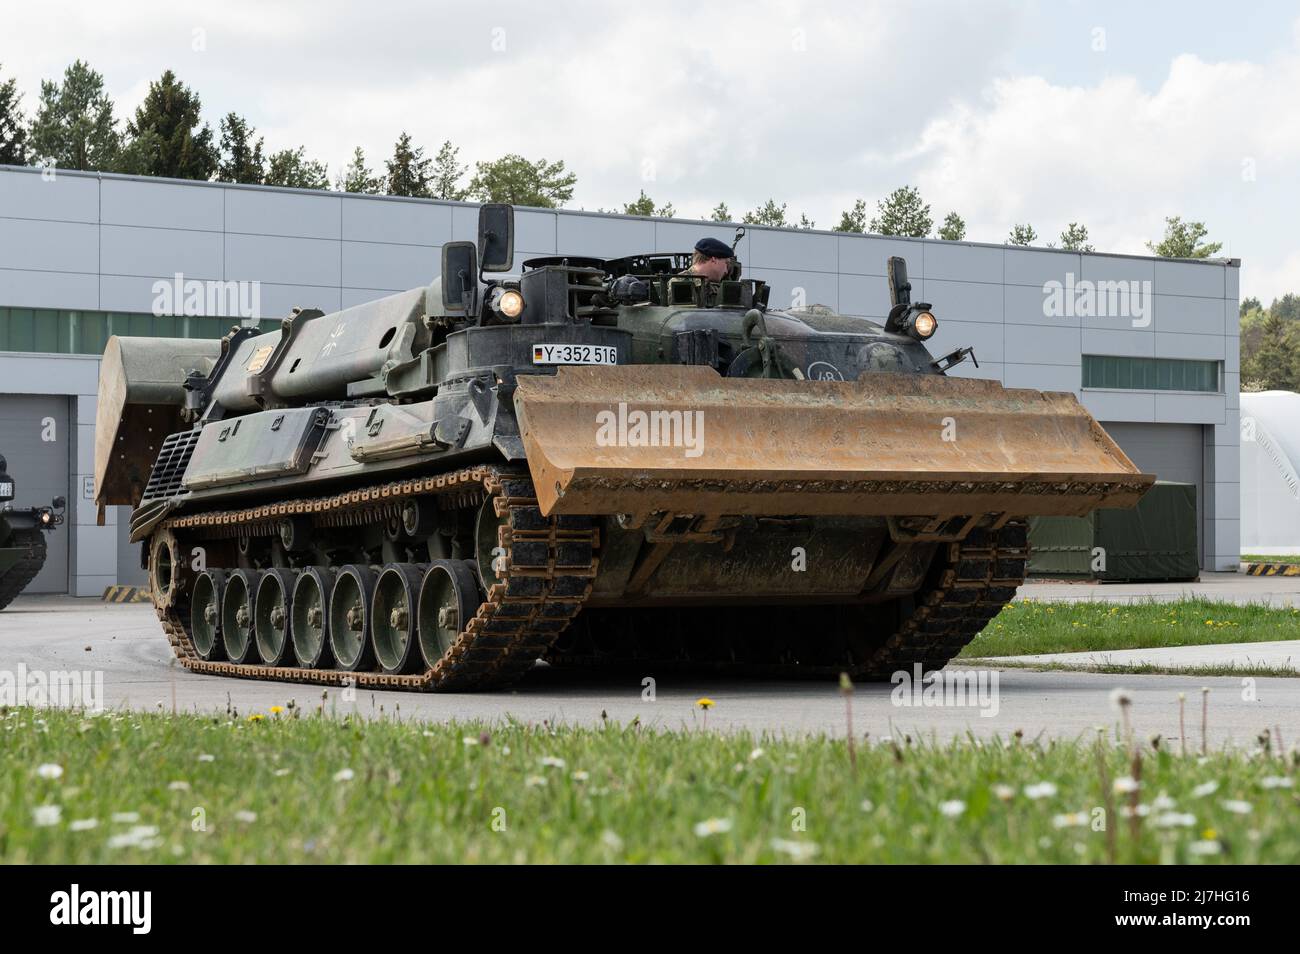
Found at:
[125, 594]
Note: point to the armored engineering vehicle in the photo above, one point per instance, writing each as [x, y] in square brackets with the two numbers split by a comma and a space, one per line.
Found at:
[22, 537]
[598, 462]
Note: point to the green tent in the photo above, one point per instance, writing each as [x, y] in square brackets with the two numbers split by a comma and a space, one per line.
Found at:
[1156, 540]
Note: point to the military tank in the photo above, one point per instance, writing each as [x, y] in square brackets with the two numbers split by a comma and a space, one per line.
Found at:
[599, 462]
[22, 537]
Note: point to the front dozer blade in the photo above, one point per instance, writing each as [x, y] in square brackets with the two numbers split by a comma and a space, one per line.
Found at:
[650, 439]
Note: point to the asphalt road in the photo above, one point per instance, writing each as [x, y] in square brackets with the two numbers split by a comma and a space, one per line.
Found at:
[123, 642]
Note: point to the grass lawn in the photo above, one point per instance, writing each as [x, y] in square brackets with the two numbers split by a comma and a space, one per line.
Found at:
[1029, 626]
[1269, 558]
[130, 787]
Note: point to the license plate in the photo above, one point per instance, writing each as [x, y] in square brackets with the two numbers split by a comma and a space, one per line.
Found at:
[574, 354]
[6, 488]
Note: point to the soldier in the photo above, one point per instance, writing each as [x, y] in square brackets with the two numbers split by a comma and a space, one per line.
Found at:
[712, 259]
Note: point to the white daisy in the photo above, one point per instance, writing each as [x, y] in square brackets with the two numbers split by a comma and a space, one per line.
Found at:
[953, 808]
[712, 826]
[46, 815]
[344, 775]
[50, 771]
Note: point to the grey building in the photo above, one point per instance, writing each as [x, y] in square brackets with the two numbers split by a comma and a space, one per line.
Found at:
[1149, 345]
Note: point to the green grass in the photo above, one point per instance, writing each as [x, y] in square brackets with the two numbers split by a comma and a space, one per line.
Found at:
[1028, 627]
[271, 791]
[1269, 558]
[1141, 669]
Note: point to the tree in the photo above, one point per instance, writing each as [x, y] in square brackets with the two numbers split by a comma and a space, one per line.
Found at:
[805, 222]
[855, 219]
[241, 158]
[769, 213]
[1287, 307]
[515, 180]
[1022, 235]
[1248, 305]
[408, 171]
[74, 125]
[1075, 238]
[1273, 360]
[358, 177]
[167, 123]
[1183, 240]
[447, 173]
[953, 228]
[290, 168]
[644, 205]
[902, 213]
[720, 213]
[13, 127]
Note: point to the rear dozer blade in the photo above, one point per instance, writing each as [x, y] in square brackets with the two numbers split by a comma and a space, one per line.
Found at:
[650, 439]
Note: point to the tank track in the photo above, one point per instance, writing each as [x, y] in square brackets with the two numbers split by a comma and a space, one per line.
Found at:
[545, 570]
[24, 571]
[968, 586]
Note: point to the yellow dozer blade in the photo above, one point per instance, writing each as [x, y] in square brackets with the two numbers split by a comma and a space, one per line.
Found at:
[668, 438]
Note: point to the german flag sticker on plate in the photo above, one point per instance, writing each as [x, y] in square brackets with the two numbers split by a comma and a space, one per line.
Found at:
[574, 354]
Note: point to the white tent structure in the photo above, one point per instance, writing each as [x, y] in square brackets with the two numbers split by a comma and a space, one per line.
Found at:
[1270, 472]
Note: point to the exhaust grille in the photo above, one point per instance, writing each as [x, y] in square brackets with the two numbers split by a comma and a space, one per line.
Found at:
[169, 468]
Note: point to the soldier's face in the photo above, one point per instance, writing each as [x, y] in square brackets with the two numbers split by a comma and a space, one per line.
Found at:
[714, 269]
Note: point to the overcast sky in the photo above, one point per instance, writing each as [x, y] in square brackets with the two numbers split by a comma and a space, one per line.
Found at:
[1113, 114]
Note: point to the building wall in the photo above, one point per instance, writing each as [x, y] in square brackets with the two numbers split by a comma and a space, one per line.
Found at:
[88, 242]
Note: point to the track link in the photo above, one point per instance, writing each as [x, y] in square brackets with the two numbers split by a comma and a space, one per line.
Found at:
[544, 571]
[13, 581]
[968, 585]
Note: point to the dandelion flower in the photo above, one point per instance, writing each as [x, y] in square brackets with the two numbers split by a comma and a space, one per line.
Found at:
[1119, 698]
[706, 703]
[276, 710]
[344, 775]
[256, 717]
[46, 815]
[50, 771]
[712, 826]
[953, 808]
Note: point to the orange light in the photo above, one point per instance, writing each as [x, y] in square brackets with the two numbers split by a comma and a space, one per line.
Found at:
[925, 325]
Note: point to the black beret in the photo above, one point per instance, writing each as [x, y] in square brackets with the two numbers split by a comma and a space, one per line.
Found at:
[714, 248]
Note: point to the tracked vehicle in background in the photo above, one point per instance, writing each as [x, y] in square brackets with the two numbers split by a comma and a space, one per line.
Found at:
[599, 462]
[22, 537]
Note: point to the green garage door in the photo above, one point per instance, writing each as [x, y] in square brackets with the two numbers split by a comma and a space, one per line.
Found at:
[36, 443]
[1174, 452]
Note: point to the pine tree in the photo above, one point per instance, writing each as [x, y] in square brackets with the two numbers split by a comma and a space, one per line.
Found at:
[290, 168]
[853, 220]
[1183, 240]
[358, 177]
[241, 157]
[447, 173]
[13, 127]
[514, 179]
[1022, 235]
[409, 170]
[74, 126]
[166, 134]
[902, 213]
[720, 213]
[1075, 238]
[769, 213]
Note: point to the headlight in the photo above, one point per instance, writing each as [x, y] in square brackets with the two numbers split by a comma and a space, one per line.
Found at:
[508, 303]
[924, 325]
[46, 516]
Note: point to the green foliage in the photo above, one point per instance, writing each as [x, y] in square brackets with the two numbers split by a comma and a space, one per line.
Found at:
[1075, 238]
[953, 228]
[409, 171]
[290, 168]
[166, 132]
[1270, 353]
[769, 213]
[13, 126]
[444, 182]
[358, 176]
[720, 213]
[1248, 305]
[854, 219]
[644, 205]
[1287, 307]
[324, 790]
[74, 126]
[1022, 235]
[902, 213]
[241, 157]
[1184, 240]
[514, 179]
[805, 222]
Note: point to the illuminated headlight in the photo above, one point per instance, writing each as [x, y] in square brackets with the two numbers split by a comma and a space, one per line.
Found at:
[508, 303]
[924, 325]
[46, 516]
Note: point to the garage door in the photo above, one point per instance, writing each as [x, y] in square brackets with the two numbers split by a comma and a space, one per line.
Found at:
[40, 468]
[1171, 452]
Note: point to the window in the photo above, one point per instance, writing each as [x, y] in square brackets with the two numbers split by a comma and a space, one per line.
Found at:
[87, 332]
[1149, 374]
